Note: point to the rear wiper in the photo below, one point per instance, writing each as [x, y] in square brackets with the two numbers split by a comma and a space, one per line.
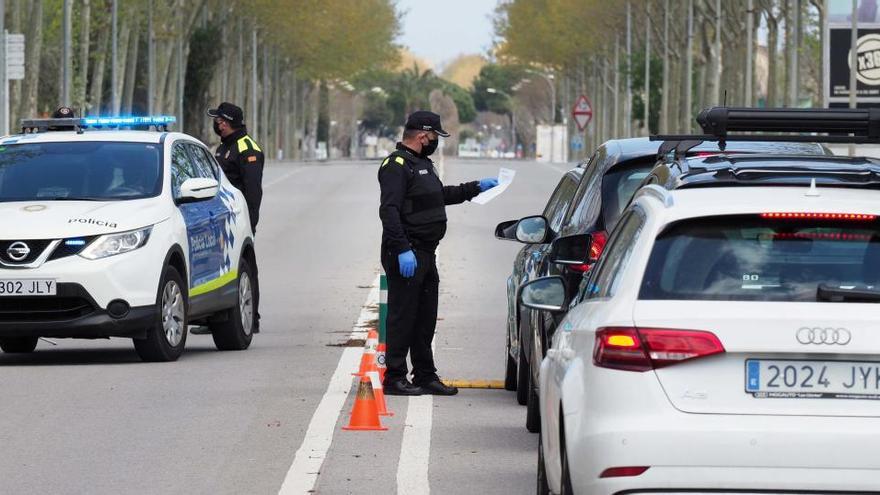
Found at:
[848, 293]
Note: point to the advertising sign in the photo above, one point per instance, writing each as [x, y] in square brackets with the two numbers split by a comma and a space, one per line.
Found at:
[837, 56]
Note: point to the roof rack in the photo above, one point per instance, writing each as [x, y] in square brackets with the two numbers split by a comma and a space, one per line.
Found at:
[80, 124]
[723, 124]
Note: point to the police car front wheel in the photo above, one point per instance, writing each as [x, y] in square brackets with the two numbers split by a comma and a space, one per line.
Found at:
[18, 345]
[167, 337]
[235, 332]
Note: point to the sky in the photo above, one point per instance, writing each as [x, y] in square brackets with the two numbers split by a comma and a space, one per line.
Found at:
[439, 30]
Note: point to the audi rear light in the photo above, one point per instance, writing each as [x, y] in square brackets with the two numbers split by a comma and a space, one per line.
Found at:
[623, 471]
[644, 349]
[600, 238]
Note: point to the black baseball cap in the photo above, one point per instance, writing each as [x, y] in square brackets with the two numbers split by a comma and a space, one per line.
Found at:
[423, 120]
[229, 112]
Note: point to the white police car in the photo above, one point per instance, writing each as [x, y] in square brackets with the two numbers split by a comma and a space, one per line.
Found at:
[107, 232]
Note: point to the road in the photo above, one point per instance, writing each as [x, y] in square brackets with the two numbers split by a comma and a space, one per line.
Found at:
[88, 417]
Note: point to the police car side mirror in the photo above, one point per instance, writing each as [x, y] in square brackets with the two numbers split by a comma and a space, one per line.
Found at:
[572, 250]
[533, 230]
[544, 294]
[198, 189]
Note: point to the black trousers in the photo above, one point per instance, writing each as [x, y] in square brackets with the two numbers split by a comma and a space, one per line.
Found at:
[412, 318]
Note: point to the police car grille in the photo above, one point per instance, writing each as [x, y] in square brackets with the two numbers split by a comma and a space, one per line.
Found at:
[41, 308]
[36, 248]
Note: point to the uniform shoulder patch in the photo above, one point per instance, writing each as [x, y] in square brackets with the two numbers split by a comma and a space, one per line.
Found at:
[251, 159]
[385, 162]
[399, 160]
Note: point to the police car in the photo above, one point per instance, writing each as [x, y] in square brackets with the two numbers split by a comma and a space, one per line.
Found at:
[111, 232]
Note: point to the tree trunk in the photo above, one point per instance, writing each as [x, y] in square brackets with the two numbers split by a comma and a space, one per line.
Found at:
[124, 35]
[33, 50]
[97, 88]
[130, 77]
[772, 42]
[83, 62]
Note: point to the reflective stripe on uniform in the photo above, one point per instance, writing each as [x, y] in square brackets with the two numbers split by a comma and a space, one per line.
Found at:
[399, 159]
[244, 142]
[386, 161]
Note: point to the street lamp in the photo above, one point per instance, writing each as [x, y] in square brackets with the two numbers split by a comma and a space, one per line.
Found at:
[548, 78]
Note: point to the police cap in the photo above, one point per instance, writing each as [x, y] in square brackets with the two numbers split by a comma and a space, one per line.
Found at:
[230, 112]
[423, 120]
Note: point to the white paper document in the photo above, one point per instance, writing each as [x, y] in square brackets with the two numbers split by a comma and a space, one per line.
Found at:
[505, 179]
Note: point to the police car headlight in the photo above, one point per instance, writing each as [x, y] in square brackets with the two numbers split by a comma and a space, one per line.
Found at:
[113, 244]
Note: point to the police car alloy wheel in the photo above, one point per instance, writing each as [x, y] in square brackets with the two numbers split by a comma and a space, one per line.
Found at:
[166, 339]
[236, 331]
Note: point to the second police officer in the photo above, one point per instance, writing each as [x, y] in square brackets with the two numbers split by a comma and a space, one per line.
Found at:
[242, 162]
[413, 214]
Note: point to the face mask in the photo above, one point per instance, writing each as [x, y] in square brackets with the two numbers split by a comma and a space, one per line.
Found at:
[430, 148]
[217, 128]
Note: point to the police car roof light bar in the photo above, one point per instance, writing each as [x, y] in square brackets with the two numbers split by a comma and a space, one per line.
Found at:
[805, 125]
[160, 122]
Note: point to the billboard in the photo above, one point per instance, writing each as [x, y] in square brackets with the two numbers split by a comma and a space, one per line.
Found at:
[837, 52]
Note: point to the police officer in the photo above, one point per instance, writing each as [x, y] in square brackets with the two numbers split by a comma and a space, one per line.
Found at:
[239, 156]
[242, 161]
[413, 214]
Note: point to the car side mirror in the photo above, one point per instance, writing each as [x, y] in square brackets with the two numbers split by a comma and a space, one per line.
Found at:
[197, 189]
[506, 231]
[544, 294]
[572, 250]
[532, 230]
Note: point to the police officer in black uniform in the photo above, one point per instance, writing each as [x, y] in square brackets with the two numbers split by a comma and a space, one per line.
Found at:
[242, 161]
[413, 214]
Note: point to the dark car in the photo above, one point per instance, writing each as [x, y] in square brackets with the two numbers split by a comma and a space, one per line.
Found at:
[592, 207]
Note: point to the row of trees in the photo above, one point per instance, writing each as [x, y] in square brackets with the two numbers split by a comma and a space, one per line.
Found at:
[272, 57]
[650, 65]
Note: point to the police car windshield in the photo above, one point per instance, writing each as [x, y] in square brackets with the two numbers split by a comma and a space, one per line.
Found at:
[749, 258]
[93, 171]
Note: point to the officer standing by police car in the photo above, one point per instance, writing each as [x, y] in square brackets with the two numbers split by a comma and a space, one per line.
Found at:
[242, 161]
[413, 214]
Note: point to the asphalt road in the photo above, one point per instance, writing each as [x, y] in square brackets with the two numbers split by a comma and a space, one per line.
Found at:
[88, 417]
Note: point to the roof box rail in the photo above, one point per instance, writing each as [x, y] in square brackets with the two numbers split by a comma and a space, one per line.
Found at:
[721, 121]
[803, 125]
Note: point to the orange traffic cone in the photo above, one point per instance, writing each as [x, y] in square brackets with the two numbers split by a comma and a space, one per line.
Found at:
[379, 393]
[365, 414]
[380, 361]
[368, 360]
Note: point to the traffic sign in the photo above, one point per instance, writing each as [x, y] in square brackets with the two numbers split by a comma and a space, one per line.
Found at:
[582, 112]
[14, 56]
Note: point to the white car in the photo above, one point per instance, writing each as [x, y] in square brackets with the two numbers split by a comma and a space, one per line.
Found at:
[120, 233]
[727, 341]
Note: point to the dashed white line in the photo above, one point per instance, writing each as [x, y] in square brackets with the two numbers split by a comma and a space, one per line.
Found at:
[303, 473]
[284, 177]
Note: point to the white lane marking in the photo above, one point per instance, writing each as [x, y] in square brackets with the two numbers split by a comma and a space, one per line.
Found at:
[284, 177]
[558, 167]
[415, 449]
[303, 473]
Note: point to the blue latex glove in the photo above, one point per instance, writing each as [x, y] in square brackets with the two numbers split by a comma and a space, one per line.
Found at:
[407, 263]
[486, 184]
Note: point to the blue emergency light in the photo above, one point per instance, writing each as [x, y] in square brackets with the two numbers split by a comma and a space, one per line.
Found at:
[160, 122]
[157, 120]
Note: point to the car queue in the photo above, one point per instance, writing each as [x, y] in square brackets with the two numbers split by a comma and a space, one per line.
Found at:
[722, 341]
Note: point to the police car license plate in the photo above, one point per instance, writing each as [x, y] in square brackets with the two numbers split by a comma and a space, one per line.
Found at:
[28, 287]
[784, 379]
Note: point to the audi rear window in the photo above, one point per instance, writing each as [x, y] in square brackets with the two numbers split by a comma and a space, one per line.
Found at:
[755, 258]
